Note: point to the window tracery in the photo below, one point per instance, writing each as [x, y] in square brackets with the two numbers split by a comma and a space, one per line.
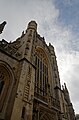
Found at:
[41, 77]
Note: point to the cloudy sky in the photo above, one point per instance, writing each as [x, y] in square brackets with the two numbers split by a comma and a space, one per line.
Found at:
[58, 22]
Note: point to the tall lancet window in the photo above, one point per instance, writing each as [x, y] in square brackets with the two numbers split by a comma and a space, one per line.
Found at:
[41, 77]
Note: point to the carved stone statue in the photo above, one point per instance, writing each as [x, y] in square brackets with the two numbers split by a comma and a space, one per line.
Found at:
[2, 26]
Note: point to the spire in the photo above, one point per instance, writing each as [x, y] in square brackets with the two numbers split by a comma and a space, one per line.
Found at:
[2, 26]
[66, 94]
[62, 87]
[66, 90]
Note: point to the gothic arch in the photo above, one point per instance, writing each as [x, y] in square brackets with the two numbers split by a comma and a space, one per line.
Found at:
[6, 84]
[41, 53]
[47, 58]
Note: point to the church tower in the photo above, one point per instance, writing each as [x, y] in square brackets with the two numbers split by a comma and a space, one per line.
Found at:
[29, 79]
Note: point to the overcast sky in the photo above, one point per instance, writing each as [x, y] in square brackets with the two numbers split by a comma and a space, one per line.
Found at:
[58, 22]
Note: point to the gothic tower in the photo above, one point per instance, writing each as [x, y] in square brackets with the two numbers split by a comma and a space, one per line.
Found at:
[29, 79]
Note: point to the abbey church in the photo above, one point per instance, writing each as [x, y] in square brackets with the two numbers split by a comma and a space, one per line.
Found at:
[30, 86]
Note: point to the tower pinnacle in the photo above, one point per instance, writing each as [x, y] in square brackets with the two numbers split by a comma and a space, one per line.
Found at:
[32, 25]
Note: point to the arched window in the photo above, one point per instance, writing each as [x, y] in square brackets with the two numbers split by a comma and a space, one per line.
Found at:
[7, 81]
[41, 77]
[4, 84]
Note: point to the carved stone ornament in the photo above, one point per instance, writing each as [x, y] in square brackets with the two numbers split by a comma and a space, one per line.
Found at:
[27, 85]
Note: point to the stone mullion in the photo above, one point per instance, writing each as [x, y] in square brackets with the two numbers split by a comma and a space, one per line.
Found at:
[42, 77]
[47, 75]
[44, 81]
[37, 79]
[39, 75]
[36, 84]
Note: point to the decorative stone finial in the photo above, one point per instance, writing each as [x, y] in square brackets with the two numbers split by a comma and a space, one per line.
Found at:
[2, 26]
[62, 87]
[65, 87]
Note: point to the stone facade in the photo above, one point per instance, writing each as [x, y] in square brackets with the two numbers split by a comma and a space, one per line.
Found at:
[77, 116]
[29, 80]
